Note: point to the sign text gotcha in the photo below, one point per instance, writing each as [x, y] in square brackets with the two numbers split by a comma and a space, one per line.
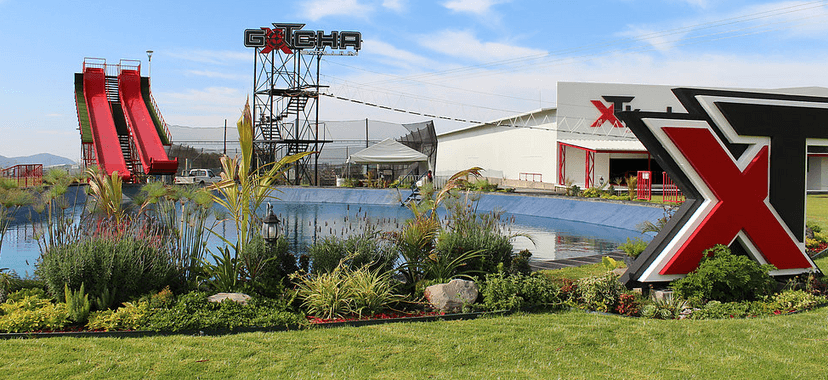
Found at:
[288, 37]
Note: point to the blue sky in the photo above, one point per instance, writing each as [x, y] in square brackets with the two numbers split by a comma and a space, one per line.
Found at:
[468, 59]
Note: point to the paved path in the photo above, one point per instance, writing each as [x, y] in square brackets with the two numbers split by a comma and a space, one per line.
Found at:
[573, 262]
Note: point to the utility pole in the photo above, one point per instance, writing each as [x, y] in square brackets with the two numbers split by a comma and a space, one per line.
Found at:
[225, 137]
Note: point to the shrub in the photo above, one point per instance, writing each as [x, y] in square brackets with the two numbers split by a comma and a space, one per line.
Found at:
[192, 311]
[126, 267]
[32, 313]
[628, 304]
[343, 292]
[519, 291]
[726, 277]
[633, 247]
[795, 300]
[600, 293]
[267, 265]
[128, 317]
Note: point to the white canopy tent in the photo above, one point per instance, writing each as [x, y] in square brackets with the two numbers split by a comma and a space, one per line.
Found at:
[387, 151]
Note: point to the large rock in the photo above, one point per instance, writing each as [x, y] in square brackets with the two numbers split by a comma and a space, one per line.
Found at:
[235, 297]
[452, 296]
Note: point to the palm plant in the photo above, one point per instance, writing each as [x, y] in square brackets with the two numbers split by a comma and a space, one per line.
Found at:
[242, 190]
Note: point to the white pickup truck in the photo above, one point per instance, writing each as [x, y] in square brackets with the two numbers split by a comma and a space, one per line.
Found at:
[198, 177]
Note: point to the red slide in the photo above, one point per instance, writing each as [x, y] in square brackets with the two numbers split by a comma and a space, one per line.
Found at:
[104, 135]
[151, 152]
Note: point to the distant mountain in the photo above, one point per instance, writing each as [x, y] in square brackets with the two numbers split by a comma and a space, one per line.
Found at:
[45, 159]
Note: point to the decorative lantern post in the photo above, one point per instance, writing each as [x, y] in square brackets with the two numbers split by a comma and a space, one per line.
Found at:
[270, 225]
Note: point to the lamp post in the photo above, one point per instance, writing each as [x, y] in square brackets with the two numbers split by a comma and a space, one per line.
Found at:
[270, 225]
[149, 58]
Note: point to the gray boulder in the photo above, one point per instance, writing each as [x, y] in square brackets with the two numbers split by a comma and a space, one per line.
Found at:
[452, 296]
[235, 297]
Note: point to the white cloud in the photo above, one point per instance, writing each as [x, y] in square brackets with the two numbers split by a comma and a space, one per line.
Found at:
[463, 44]
[478, 7]
[697, 3]
[394, 5]
[318, 9]
[396, 55]
[214, 57]
[216, 74]
[779, 19]
[204, 107]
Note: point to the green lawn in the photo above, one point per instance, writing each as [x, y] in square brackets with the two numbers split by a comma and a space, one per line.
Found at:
[567, 345]
[817, 209]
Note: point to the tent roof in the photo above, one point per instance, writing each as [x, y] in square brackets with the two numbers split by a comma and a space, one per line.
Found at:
[387, 151]
[608, 146]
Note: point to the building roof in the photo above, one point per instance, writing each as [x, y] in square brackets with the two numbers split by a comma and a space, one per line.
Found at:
[534, 118]
[607, 145]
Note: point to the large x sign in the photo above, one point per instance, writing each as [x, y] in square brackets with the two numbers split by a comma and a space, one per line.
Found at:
[741, 160]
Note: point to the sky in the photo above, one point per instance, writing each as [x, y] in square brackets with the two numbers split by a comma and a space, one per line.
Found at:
[474, 60]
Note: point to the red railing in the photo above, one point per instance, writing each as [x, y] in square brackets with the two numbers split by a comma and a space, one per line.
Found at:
[672, 194]
[25, 175]
[534, 177]
[644, 186]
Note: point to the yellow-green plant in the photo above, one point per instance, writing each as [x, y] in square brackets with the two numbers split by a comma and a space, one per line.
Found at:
[242, 190]
[107, 191]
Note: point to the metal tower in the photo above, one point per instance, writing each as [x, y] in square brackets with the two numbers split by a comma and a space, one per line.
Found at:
[285, 110]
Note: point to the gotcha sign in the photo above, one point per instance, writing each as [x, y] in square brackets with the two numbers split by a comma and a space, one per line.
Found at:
[288, 38]
[741, 160]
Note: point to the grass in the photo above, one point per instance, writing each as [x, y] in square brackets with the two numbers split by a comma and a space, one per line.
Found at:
[817, 209]
[570, 345]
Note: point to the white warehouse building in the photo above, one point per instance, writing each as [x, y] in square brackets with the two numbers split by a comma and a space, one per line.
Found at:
[580, 142]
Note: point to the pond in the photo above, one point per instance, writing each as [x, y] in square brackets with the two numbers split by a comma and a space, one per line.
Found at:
[304, 223]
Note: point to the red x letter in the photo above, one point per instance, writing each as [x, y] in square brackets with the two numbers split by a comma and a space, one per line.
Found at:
[607, 115]
[740, 205]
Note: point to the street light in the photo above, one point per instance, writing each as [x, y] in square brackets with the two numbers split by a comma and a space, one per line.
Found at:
[270, 225]
[149, 58]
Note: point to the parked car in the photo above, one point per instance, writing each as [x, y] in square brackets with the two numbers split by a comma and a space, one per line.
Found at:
[198, 177]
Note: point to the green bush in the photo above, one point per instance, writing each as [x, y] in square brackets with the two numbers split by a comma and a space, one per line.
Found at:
[32, 313]
[796, 300]
[268, 265]
[192, 311]
[125, 267]
[519, 291]
[633, 247]
[726, 277]
[128, 317]
[599, 293]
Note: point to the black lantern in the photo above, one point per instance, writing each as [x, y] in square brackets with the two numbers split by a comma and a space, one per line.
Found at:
[270, 225]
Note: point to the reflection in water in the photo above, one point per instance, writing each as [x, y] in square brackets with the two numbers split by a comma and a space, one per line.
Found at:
[305, 223]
